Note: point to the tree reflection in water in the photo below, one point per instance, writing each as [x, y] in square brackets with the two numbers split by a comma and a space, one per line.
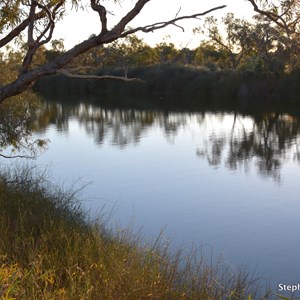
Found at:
[271, 140]
[18, 121]
[120, 126]
[265, 141]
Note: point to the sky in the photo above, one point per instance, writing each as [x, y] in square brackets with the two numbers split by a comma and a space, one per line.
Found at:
[79, 25]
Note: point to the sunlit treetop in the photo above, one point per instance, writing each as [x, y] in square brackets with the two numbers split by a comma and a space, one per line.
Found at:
[14, 12]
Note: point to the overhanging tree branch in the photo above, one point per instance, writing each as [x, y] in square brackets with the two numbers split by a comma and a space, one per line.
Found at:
[163, 24]
[119, 28]
[283, 20]
[44, 36]
[102, 14]
[21, 27]
[68, 74]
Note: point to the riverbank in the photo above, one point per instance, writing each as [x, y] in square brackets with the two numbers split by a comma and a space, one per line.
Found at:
[51, 250]
[192, 85]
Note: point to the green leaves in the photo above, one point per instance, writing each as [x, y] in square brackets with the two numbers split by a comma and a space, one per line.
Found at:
[10, 14]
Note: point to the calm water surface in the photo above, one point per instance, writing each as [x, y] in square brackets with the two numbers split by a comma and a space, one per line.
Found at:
[226, 181]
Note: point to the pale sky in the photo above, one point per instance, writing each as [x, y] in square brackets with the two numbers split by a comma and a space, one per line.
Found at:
[79, 25]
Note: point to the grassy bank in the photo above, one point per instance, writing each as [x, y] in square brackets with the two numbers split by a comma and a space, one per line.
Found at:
[49, 250]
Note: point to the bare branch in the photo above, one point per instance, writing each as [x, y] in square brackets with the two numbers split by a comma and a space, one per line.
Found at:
[118, 29]
[17, 156]
[14, 33]
[21, 27]
[51, 24]
[30, 40]
[160, 25]
[277, 19]
[177, 14]
[34, 44]
[68, 74]
[180, 27]
[102, 14]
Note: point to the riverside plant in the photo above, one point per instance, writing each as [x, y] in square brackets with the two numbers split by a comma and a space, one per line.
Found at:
[49, 249]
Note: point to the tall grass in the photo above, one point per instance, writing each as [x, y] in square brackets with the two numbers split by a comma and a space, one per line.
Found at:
[50, 250]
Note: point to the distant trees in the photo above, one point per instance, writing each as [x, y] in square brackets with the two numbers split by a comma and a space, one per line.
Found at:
[35, 20]
[258, 45]
[128, 53]
[285, 16]
[261, 45]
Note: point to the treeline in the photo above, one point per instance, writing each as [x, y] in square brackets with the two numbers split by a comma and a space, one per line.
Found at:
[180, 88]
[240, 60]
[231, 43]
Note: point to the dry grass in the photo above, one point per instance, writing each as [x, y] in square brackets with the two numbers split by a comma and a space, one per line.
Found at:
[49, 250]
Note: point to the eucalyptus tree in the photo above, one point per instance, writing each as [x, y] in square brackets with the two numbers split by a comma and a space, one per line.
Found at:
[127, 53]
[284, 14]
[257, 45]
[166, 52]
[223, 46]
[36, 20]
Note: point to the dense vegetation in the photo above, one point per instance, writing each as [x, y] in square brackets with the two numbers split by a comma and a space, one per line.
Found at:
[182, 87]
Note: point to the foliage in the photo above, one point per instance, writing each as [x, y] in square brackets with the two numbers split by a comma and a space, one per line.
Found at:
[10, 61]
[10, 14]
[258, 46]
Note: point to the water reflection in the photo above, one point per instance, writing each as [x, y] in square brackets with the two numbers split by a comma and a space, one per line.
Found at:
[265, 141]
[18, 120]
[121, 126]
